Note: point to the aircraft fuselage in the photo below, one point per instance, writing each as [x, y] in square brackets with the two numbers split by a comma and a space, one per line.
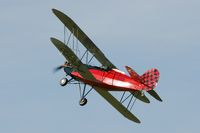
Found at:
[112, 80]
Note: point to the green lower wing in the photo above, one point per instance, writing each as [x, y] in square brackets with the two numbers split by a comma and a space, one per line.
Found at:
[117, 105]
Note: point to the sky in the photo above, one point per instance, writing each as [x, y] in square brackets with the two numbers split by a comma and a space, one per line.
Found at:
[139, 33]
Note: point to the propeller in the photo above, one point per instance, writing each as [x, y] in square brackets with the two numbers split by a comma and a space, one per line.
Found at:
[61, 66]
[58, 68]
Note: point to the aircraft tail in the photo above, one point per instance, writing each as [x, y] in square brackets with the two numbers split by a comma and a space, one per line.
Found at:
[150, 78]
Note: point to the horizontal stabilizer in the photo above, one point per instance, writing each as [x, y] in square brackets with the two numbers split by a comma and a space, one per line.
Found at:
[150, 79]
[138, 95]
[155, 95]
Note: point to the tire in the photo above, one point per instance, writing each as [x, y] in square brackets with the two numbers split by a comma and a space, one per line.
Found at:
[83, 102]
[63, 81]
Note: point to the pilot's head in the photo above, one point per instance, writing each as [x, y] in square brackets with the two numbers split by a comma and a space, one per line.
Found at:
[67, 64]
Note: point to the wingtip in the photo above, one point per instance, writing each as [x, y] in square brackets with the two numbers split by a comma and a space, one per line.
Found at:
[54, 40]
[54, 10]
[132, 117]
[51, 38]
[160, 100]
[138, 121]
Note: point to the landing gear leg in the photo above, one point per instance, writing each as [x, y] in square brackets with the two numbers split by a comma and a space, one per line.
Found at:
[142, 93]
[83, 100]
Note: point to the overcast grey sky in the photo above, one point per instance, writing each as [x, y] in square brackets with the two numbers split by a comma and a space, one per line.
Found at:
[139, 33]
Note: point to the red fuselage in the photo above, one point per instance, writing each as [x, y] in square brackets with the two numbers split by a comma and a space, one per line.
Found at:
[112, 80]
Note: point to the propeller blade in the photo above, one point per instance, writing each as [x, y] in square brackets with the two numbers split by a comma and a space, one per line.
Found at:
[58, 68]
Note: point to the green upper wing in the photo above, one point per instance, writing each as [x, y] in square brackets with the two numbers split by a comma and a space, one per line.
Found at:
[83, 70]
[83, 38]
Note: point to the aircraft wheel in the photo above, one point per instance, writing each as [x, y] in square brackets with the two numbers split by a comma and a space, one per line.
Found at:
[83, 101]
[63, 81]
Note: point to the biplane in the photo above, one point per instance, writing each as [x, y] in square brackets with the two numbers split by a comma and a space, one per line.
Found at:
[103, 79]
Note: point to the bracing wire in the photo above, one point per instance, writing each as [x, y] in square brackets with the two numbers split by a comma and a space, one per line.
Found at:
[73, 40]
[64, 35]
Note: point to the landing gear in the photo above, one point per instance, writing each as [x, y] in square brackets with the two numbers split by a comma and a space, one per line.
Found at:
[83, 102]
[142, 93]
[83, 94]
[64, 81]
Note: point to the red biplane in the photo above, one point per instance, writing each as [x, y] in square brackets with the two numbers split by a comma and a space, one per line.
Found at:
[105, 78]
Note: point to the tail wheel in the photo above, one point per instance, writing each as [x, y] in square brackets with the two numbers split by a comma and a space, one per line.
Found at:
[83, 101]
[63, 81]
